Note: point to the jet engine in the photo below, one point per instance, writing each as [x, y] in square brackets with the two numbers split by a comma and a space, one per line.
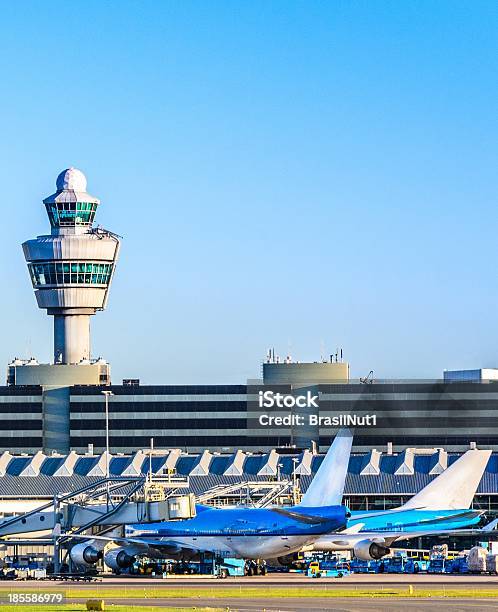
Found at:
[294, 561]
[287, 560]
[366, 550]
[85, 554]
[118, 559]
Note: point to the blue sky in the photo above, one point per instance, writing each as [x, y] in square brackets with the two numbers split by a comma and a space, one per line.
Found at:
[303, 175]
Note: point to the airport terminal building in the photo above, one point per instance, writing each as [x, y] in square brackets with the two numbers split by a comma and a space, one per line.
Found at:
[375, 479]
[218, 417]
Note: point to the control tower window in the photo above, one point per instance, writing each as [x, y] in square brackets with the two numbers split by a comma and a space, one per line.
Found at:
[67, 214]
[70, 273]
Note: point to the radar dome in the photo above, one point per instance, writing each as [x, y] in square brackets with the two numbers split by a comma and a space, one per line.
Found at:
[71, 178]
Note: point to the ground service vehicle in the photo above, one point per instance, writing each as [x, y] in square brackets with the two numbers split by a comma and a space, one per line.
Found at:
[328, 569]
[231, 567]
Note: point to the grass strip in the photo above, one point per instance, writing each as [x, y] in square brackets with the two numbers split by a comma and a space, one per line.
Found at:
[109, 608]
[236, 592]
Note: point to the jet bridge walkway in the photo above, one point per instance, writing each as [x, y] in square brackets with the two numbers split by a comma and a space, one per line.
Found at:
[109, 502]
[271, 491]
[113, 501]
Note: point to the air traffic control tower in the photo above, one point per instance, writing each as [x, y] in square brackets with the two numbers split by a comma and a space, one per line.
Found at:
[71, 270]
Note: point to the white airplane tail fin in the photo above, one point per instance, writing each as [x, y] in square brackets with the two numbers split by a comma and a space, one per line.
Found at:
[453, 489]
[327, 487]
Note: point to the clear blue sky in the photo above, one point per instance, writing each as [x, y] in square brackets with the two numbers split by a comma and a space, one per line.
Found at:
[299, 174]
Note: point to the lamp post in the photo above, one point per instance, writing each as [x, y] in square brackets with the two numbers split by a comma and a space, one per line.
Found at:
[107, 394]
[279, 474]
[295, 461]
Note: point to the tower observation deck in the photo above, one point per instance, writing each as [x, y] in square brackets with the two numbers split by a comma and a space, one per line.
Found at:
[72, 268]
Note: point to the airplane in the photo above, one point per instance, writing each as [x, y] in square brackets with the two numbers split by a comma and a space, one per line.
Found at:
[440, 508]
[248, 533]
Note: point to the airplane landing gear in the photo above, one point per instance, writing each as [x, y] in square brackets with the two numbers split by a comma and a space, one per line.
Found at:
[255, 568]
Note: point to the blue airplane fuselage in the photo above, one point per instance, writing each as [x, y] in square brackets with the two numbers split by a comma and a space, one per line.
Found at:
[414, 520]
[248, 532]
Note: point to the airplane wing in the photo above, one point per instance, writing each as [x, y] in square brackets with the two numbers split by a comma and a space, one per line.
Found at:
[168, 547]
[390, 537]
[353, 530]
[299, 516]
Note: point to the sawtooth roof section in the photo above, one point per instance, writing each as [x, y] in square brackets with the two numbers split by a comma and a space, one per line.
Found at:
[269, 465]
[235, 466]
[386, 482]
[157, 465]
[438, 462]
[67, 467]
[303, 467]
[17, 465]
[32, 468]
[218, 464]
[5, 459]
[287, 465]
[99, 469]
[134, 467]
[252, 464]
[85, 464]
[118, 464]
[172, 459]
[405, 463]
[185, 464]
[371, 463]
[201, 465]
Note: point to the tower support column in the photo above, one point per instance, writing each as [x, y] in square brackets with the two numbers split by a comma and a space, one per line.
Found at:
[71, 337]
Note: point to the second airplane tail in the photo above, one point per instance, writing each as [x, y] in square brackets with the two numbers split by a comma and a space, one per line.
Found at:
[453, 489]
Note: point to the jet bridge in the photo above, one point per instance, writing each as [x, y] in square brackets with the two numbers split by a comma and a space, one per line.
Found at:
[112, 501]
[257, 494]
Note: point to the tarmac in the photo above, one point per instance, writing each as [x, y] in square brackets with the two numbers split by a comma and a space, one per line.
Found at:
[376, 582]
[285, 604]
[295, 580]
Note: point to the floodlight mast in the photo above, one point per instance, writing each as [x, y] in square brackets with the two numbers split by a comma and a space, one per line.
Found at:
[106, 395]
